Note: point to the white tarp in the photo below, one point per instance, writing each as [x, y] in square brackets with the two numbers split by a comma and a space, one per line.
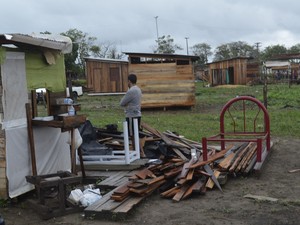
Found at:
[52, 149]
[52, 155]
[14, 89]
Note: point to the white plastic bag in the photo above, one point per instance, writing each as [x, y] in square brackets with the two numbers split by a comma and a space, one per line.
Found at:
[76, 195]
[90, 196]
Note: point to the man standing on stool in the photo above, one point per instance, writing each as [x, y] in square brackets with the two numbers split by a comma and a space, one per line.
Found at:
[132, 103]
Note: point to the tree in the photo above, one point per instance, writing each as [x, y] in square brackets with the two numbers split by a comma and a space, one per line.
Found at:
[165, 44]
[232, 50]
[45, 32]
[295, 49]
[106, 50]
[222, 52]
[83, 46]
[273, 50]
[113, 53]
[202, 50]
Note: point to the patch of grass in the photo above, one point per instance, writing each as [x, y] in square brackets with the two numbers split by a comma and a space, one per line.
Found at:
[291, 203]
[203, 119]
[3, 203]
[79, 82]
[227, 210]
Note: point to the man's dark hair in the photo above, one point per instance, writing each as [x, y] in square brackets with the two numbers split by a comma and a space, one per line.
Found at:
[132, 78]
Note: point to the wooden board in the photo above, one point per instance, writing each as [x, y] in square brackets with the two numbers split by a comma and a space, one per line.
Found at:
[115, 180]
[210, 183]
[181, 193]
[127, 205]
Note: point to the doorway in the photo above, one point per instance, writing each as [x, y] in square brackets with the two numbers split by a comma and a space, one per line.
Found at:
[230, 75]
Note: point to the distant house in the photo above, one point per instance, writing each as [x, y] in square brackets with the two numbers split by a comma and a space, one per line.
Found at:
[166, 80]
[284, 65]
[277, 65]
[106, 75]
[239, 70]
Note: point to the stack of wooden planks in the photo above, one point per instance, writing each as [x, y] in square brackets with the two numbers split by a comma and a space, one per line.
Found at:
[178, 179]
[182, 175]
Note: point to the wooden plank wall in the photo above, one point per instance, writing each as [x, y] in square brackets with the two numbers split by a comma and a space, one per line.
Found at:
[165, 84]
[253, 71]
[106, 76]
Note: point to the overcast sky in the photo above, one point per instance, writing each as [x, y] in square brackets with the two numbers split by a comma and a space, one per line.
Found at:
[131, 24]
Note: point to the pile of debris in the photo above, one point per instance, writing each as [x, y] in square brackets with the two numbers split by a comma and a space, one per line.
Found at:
[178, 179]
[179, 170]
[176, 169]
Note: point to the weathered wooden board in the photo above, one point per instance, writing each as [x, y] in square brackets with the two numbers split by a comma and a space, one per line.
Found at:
[126, 206]
[106, 75]
[115, 180]
[165, 84]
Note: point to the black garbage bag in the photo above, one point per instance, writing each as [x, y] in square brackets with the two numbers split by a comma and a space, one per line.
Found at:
[95, 148]
[90, 145]
[87, 132]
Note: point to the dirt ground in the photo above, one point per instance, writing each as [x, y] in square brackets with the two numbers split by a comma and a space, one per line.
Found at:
[213, 208]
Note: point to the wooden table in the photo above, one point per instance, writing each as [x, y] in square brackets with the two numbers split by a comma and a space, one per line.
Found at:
[66, 123]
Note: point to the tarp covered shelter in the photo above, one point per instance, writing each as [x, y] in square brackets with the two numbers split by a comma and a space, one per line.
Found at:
[28, 62]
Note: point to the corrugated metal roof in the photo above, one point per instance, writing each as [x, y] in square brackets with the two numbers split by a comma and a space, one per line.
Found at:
[158, 55]
[57, 42]
[270, 64]
[105, 59]
[230, 59]
[286, 56]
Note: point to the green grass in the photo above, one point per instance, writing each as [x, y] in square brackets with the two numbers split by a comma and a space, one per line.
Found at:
[203, 119]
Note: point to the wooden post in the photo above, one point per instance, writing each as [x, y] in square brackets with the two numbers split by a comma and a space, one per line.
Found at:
[73, 152]
[204, 148]
[259, 150]
[265, 90]
[81, 162]
[31, 139]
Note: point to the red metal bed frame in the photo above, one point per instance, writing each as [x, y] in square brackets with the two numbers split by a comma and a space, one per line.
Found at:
[244, 135]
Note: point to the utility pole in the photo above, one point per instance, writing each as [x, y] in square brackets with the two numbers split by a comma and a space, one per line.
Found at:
[156, 17]
[257, 45]
[263, 71]
[187, 45]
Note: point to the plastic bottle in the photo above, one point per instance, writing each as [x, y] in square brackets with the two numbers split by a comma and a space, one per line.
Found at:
[71, 111]
[68, 101]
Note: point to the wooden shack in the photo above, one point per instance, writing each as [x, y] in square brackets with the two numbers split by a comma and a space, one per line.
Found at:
[28, 62]
[106, 75]
[166, 80]
[239, 70]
